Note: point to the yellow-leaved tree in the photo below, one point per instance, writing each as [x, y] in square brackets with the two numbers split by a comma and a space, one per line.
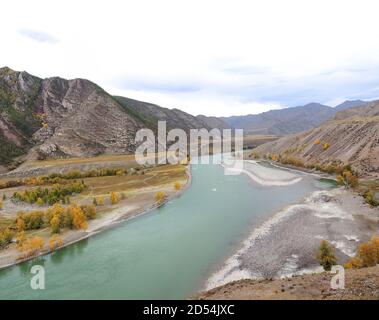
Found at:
[367, 255]
[347, 179]
[79, 219]
[160, 196]
[55, 242]
[177, 185]
[114, 197]
[100, 201]
[32, 246]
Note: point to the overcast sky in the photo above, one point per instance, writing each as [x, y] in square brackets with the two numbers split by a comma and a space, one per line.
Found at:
[204, 57]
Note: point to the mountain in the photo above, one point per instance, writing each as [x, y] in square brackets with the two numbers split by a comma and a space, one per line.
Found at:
[213, 122]
[55, 117]
[150, 114]
[19, 92]
[349, 104]
[289, 120]
[352, 136]
[283, 121]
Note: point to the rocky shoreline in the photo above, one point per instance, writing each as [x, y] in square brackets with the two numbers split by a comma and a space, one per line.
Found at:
[287, 243]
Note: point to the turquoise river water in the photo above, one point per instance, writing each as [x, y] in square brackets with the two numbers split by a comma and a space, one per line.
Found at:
[164, 254]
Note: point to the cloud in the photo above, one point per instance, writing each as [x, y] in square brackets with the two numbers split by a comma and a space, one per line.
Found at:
[38, 36]
[245, 57]
[160, 85]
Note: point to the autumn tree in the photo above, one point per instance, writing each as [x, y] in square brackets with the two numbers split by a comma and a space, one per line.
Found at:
[160, 196]
[177, 185]
[325, 146]
[20, 223]
[55, 242]
[94, 202]
[326, 256]
[6, 236]
[100, 201]
[114, 197]
[367, 255]
[89, 211]
[55, 224]
[347, 179]
[20, 239]
[317, 142]
[32, 246]
[79, 220]
[1, 204]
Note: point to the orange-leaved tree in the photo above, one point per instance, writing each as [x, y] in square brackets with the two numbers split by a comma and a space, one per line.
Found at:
[55, 242]
[347, 179]
[367, 255]
[114, 197]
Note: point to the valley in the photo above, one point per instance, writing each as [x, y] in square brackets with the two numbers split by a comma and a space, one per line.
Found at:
[72, 193]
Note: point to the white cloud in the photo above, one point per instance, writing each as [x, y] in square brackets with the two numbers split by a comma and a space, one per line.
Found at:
[210, 57]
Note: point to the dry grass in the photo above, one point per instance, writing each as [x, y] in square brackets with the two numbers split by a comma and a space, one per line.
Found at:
[154, 177]
[5, 222]
[97, 159]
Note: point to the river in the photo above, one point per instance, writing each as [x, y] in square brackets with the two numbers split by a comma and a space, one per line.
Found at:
[167, 253]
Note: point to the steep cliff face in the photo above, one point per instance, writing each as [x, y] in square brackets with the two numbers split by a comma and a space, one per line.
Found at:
[82, 120]
[18, 95]
[352, 136]
[56, 117]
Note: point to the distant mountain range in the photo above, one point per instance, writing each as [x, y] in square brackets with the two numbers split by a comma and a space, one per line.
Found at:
[55, 117]
[352, 137]
[288, 120]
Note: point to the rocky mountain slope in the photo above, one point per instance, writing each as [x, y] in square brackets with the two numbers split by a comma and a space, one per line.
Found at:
[19, 92]
[288, 120]
[55, 117]
[352, 137]
[150, 114]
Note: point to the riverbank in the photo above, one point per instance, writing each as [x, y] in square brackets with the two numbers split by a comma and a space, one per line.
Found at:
[362, 284]
[287, 243]
[141, 202]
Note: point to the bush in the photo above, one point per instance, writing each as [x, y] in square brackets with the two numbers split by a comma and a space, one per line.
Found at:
[55, 242]
[326, 256]
[367, 255]
[32, 246]
[370, 199]
[31, 221]
[89, 211]
[6, 236]
[50, 196]
[347, 179]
